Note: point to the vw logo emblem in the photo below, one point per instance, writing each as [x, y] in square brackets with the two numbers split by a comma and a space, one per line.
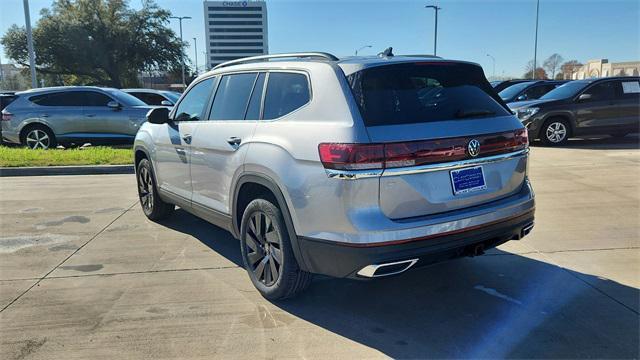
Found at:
[474, 147]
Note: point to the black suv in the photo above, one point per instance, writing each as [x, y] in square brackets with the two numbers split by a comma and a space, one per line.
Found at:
[530, 90]
[583, 107]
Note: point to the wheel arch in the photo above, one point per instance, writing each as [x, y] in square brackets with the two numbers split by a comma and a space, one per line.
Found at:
[30, 125]
[257, 181]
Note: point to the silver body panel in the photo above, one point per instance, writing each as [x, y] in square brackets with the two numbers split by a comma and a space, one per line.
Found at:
[374, 206]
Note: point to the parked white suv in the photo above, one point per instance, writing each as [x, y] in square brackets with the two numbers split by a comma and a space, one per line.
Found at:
[361, 168]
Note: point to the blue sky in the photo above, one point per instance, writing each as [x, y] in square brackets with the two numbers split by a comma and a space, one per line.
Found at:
[468, 30]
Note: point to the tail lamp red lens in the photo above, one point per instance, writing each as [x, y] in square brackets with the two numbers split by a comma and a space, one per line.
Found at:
[6, 116]
[393, 155]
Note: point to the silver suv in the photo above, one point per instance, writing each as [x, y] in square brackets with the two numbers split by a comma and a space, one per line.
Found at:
[356, 168]
[46, 117]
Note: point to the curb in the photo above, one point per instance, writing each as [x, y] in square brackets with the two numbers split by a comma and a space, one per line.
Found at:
[66, 170]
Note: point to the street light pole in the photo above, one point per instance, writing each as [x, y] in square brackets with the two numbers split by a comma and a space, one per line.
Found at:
[494, 65]
[195, 51]
[362, 48]
[535, 46]
[435, 33]
[32, 56]
[180, 18]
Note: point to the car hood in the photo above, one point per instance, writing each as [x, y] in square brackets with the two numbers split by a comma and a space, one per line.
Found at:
[523, 104]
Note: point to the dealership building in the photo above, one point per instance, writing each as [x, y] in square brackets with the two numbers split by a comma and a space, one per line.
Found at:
[235, 29]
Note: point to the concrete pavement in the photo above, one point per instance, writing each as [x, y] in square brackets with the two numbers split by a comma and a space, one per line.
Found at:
[83, 274]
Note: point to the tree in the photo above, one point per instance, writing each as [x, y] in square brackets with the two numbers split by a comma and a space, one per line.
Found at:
[99, 42]
[552, 63]
[540, 73]
[568, 68]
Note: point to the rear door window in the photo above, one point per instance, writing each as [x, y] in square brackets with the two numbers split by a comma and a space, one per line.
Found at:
[253, 111]
[423, 92]
[70, 98]
[232, 97]
[286, 92]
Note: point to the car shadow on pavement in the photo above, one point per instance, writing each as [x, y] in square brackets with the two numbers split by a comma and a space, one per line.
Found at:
[217, 239]
[493, 306]
[501, 305]
[628, 142]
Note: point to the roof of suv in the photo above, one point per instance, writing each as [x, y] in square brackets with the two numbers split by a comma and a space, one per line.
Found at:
[348, 64]
[61, 88]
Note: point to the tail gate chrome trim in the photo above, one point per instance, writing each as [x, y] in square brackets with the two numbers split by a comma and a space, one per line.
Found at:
[409, 170]
[370, 270]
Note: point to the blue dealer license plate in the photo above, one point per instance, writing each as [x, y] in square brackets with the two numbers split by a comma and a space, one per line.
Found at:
[467, 180]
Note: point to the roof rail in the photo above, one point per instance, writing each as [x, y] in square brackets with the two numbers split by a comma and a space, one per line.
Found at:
[317, 55]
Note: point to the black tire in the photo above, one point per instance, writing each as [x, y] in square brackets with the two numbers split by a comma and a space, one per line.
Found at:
[260, 219]
[555, 132]
[152, 206]
[39, 137]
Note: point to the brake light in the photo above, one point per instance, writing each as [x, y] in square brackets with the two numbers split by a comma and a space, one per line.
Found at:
[351, 156]
[6, 116]
[413, 153]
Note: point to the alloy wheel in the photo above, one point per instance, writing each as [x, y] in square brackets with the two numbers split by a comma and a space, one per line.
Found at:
[145, 185]
[556, 132]
[38, 139]
[264, 248]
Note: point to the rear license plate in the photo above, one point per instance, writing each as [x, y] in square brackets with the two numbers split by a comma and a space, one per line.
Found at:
[467, 180]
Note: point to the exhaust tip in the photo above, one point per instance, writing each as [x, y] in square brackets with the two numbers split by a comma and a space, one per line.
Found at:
[386, 269]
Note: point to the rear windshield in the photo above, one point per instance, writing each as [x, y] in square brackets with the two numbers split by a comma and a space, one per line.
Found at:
[423, 92]
[514, 90]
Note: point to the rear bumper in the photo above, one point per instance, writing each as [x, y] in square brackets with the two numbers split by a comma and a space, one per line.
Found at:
[347, 259]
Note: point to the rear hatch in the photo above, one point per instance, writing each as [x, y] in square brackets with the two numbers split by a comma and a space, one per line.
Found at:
[427, 117]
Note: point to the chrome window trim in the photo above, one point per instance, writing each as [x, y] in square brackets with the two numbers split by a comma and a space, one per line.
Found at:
[409, 170]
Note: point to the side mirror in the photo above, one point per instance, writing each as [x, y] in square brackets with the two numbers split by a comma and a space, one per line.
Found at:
[584, 97]
[522, 98]
[166, 103]
[113, 105]
[158, 115]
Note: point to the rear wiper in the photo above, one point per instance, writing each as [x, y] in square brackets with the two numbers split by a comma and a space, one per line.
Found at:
[473, 113]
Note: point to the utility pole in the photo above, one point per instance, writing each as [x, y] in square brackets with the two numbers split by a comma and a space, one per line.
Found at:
[180, 18]
[195, 51]
[435, 33]
[494, 65]
[362, 48]
[535, 45]
[32, 56]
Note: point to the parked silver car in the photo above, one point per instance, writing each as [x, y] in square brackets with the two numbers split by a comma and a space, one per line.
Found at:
[357, 168]
[43, 118]
[155, 97]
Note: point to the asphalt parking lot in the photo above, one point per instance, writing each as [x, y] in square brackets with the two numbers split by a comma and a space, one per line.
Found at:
[84, 275]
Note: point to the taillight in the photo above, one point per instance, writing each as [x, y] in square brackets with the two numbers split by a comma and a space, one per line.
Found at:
[351, 156]
[413, 153]
[6, 116]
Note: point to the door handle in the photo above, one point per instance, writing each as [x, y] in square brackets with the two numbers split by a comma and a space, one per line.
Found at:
[187, 138]
[234, 142]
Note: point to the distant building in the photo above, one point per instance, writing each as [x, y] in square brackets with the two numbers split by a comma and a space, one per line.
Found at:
[603, 68]
[235, 29]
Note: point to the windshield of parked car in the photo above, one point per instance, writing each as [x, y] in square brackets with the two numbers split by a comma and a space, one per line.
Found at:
[514, 90]
[423, 92]
[564, 91]
[173, 96]
[124, 98]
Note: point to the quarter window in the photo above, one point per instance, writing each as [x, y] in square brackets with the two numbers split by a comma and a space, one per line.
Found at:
[193, 103]
[232, 97]
[286, 92]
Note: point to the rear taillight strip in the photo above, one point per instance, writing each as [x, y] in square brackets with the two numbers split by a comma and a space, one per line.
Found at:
[351, 161]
